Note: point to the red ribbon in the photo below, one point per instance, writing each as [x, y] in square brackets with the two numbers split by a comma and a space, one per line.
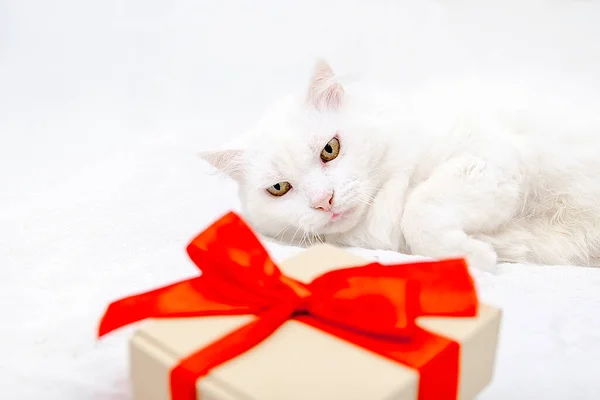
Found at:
[372, 306]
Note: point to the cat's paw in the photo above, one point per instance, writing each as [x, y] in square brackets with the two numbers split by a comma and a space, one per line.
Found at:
[480, 255]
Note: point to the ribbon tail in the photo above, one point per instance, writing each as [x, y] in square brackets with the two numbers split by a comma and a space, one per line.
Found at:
[192, 297]
[183, 377]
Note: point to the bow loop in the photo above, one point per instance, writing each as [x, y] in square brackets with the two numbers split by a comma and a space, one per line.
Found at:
[380, 305]
[231, 252]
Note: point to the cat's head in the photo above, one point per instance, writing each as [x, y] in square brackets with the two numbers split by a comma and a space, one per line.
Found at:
[310, 166]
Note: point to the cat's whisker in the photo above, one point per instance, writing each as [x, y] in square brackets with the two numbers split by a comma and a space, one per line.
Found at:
[295, 233]
[283, 230]
[371, 187]
[368, 195]
[375, 169]
[368, 203]
[302, 237]
[281, 236]
[372, 173]
[320, 239]
[304, 240]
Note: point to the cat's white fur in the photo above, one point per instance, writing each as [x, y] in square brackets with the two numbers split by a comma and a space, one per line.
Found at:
[452, 170]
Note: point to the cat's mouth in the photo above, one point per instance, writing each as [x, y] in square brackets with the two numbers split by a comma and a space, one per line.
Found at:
[340, 220]
[337, 216]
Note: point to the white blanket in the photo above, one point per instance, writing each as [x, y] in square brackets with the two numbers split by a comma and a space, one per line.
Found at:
[122, 227]
[102, 109]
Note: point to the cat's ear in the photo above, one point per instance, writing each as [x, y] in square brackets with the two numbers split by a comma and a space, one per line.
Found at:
[324, 91]
[228, 161]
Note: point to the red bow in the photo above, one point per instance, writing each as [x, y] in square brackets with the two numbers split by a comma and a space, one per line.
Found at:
[373, 306]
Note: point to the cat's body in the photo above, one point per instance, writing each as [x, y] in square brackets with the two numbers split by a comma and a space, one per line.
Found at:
[472, 178]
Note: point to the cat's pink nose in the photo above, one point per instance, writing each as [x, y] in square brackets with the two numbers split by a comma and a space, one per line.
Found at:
[323, 203]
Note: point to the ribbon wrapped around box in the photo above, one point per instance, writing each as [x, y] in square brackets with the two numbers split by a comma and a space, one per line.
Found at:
[324, 325]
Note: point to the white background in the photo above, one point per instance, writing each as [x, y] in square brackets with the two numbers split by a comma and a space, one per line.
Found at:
[103, 105]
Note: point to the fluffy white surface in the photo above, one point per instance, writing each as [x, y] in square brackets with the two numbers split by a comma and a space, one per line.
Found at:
[102, 108]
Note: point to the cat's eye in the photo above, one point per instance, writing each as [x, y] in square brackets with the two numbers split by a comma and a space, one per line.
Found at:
[279, 189]
[331, 150]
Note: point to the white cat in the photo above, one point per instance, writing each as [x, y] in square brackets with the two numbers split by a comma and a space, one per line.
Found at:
[440, 173]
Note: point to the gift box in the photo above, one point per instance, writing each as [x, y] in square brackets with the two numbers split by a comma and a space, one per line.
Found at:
[323, 325]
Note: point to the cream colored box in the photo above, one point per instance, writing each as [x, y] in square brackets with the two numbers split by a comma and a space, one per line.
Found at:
[299, 362]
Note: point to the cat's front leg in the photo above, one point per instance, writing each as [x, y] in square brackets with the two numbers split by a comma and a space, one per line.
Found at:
[380, 227]
[382, 224]
[462, 197]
